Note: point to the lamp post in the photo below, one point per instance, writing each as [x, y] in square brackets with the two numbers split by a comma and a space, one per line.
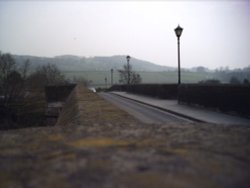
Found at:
[112, 71]
[128, 59]
[178, 32]
[106, 82]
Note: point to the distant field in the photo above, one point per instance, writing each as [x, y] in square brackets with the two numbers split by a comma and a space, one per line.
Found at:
[97, 78]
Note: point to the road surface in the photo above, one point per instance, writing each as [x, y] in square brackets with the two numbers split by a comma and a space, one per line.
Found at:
[142, 112]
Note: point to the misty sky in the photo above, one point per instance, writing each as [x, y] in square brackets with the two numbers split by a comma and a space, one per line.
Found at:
[216, 33]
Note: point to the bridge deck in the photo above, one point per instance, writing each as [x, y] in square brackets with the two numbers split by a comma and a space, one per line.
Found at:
[99, 145]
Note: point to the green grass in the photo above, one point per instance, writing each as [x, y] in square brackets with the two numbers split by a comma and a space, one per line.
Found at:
[97, 78]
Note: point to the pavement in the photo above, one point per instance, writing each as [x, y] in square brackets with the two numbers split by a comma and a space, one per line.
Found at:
[190, 112]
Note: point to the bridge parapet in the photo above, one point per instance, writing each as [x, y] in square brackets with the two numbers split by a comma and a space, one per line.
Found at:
[84, 107]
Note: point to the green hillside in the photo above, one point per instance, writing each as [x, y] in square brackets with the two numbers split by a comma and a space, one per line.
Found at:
[96, 69]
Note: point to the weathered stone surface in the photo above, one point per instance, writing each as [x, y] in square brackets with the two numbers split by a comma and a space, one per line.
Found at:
[108, 148]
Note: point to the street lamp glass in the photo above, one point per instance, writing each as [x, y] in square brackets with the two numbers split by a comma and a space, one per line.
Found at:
[128, 58]
[178, 30]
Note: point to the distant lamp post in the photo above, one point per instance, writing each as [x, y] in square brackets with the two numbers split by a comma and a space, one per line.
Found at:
[178, 32]
[106, 80]
[112, 71]
[128, 59]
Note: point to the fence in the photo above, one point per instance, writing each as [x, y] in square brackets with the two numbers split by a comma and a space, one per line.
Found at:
[164, 91]
[224, 97]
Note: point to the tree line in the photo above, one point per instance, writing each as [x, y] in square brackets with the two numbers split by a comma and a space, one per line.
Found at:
[17, 80]
[22, 96]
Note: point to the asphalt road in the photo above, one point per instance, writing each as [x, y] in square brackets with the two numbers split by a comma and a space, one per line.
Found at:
[142, 112]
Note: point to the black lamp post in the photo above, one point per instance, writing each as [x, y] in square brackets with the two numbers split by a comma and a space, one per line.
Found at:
[178, 32]
[112, 71]
[106, 82]
[128, 59]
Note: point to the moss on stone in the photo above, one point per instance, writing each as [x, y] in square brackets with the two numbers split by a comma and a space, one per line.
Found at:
[98, 143]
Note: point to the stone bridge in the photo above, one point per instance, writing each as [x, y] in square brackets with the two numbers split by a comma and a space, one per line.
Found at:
[94, 144]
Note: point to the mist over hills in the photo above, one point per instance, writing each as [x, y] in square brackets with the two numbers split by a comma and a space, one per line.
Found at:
[97, 63]
[98, 68]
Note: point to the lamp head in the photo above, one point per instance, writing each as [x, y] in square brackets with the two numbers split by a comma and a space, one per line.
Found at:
[178, 30]
[128, 58]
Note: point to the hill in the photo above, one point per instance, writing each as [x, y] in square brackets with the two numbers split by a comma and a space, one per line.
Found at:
[97, 63]
[97, 68]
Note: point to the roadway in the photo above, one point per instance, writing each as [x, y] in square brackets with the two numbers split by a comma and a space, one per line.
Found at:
[144, 113]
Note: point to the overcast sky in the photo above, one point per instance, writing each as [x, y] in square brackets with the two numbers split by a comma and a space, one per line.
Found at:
[216, 33]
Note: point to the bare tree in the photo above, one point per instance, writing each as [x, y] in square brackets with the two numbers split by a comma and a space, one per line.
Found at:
[46, 75]
[135, 78]
[11, 81]
[24, 69]
[13, 87]
[129, 76]
[7, 64]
